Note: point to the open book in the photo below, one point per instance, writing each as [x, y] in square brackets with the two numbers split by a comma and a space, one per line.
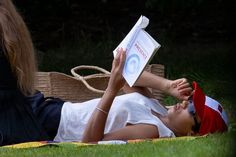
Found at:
[140, 48]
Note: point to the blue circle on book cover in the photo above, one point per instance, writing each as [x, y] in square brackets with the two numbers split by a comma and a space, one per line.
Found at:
[132, 65]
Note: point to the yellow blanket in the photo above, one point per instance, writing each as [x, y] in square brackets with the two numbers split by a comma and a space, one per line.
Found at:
[58, 144]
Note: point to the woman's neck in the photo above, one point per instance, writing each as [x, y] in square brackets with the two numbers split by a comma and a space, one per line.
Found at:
[165, 120]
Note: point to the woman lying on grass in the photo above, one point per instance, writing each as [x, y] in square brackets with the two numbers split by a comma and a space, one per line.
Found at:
[137, 115]
[129, 116]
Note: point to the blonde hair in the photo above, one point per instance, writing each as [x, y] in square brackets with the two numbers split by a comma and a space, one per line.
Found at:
[17, 46]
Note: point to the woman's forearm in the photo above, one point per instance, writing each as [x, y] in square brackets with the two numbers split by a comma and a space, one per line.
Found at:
[150, 80]
[94, 130]
[179, 88]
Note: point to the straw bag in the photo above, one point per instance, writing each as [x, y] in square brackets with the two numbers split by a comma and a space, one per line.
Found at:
[104, 75]
[74, 88]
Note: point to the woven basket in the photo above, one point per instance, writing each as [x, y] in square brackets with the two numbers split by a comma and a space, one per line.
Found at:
[157, 69]
[70, 88]
[76, 73]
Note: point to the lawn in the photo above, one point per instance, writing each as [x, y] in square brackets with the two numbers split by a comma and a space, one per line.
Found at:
[217, 145]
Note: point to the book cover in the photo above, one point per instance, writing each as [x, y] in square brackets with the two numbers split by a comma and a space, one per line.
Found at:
[140, 48]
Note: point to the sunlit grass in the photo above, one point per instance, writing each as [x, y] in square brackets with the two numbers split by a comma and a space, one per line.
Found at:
[220, 145]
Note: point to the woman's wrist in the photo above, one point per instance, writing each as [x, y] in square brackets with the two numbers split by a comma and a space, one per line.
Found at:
[112, 92]
[167, 87]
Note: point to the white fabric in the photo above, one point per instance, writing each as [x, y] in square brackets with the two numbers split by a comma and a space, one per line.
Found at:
[213, 104]
[132, 108]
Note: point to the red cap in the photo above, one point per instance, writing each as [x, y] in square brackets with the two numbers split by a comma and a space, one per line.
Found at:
[212, 115]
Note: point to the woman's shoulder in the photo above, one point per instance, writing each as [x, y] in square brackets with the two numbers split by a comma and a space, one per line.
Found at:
[151, 103]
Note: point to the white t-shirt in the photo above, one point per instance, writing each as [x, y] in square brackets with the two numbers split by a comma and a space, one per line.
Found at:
[132, 108]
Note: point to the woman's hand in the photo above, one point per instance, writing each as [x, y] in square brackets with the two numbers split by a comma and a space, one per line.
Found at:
[116, 81]
[179, 88]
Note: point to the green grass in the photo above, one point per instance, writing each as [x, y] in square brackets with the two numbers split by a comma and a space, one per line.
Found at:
[217, 145]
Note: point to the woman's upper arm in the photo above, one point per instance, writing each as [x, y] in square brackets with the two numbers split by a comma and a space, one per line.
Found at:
[129, 132]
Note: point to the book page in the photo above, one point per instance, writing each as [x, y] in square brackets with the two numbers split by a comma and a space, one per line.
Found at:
[140, 48]
[128, 40]
[138, 56]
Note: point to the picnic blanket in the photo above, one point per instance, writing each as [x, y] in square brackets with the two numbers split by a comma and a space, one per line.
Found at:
[38, 144]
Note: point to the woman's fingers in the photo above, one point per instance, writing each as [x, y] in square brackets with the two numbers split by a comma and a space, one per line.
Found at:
[116, 79]
[186, 91]
[122, 59]
[116, 59]
[119, 59]
[182, 88]
[183, 84]
[179, 82]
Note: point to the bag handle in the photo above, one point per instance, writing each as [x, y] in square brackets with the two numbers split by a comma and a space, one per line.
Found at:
[74, 72]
